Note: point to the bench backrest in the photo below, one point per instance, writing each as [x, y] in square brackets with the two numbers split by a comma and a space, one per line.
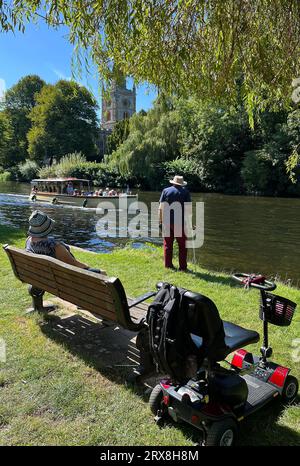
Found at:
[99, 294]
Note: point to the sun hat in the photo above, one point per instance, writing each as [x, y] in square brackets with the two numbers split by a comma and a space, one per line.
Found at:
[178, 180]
[40, 224]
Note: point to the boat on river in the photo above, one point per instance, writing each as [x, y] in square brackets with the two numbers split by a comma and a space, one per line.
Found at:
[78, 192]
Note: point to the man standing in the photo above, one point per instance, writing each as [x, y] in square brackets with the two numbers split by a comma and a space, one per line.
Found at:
[172, 211]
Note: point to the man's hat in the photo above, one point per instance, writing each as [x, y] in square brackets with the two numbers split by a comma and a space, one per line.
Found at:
[178, 180]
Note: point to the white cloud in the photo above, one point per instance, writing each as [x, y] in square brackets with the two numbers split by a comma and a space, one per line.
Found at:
[2, 88]
[60, 74]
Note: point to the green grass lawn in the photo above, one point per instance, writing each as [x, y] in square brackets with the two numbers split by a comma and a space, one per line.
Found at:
[52, 396]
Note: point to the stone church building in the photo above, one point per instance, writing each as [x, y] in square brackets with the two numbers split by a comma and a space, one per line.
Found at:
[120, 105]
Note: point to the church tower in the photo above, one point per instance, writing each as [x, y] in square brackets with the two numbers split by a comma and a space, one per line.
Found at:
[120, 105]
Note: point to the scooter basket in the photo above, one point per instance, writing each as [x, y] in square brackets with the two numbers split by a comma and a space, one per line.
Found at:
[277, 310]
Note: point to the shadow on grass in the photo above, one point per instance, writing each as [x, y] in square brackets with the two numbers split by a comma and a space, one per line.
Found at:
[108, 348]
[112, 352]
[262, 427]
[212, 278]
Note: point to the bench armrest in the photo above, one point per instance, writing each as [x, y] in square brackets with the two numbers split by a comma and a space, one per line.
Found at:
[142, 298]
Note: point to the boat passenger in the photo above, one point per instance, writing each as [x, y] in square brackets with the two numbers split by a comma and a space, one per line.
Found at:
[70, 189]
[105, 193]
[39, 242]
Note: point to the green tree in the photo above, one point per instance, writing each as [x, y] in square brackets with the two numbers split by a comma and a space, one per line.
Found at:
[63, 121]
[263, 172]
[20, 99]
[199, 47]
[28, 170]
[292, 131]
[119, 134]
[153, 139]
[216, 138]
[6, 138]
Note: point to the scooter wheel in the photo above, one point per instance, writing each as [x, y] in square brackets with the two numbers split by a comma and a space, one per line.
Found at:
[290, 389]
[222, 434]
[155, 399]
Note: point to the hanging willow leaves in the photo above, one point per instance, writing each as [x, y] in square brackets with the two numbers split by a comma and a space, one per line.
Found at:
[200, 47]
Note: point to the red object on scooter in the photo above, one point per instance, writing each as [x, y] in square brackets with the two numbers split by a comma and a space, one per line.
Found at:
[257, 279]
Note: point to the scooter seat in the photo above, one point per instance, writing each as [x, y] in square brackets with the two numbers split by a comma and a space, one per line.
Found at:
[235, 337]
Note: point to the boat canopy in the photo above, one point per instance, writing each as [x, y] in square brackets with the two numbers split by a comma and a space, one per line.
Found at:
[55, 180]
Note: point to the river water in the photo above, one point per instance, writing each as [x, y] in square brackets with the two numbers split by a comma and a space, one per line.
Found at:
[248, 234]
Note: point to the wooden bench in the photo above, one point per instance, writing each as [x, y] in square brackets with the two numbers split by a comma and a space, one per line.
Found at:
[101, 295]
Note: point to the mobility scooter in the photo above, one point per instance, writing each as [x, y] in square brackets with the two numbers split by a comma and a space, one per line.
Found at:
[213, 398]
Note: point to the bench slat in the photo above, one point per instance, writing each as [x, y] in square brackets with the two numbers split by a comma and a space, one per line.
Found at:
[29, 257]
[66, 270]
[102, 295]
[24, 262]
[77, 295]
[81, 281]
[88, 306]
[36, 272]
[37, 282]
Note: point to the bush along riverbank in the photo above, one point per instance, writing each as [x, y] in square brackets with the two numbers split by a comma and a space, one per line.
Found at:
[53, 393]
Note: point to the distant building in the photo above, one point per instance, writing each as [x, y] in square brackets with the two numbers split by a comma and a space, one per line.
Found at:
[120, 105]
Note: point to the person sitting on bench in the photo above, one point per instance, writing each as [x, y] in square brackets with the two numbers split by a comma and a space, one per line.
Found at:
[39, 241]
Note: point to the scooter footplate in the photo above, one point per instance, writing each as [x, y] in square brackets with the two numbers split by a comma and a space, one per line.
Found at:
[259, 392]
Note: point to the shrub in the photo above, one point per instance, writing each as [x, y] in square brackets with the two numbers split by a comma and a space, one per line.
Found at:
[49, 171]
[75, 165]
[189, 169]
[28, 170]
[264, 171]
[66, 165]
[256, 170]
[5, 176]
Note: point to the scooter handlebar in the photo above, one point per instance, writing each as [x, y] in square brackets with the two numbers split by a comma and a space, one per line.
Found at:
[255, 281]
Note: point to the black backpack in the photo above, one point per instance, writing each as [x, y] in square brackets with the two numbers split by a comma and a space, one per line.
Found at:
[170, 340]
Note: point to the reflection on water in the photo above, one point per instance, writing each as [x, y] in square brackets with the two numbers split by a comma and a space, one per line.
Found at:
[241, 233]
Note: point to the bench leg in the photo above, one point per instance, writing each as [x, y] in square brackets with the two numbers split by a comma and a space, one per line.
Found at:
[37, 301]
[147, 365]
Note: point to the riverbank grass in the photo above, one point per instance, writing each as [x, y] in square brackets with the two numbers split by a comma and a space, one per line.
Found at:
[50, 395]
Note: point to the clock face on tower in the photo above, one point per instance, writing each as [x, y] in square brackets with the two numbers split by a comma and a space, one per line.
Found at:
[126, 103]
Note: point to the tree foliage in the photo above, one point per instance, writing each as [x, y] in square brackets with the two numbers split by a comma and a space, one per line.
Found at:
[63, 121]
[118, 135]
[216, 138]
[28, 170]
[6, 138]
[292, 130]
[151, 141]
[19, 100]
[201, 47]
[212, 146]
[76, 165]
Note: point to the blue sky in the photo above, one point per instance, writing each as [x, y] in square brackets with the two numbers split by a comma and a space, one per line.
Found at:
[47, 52]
